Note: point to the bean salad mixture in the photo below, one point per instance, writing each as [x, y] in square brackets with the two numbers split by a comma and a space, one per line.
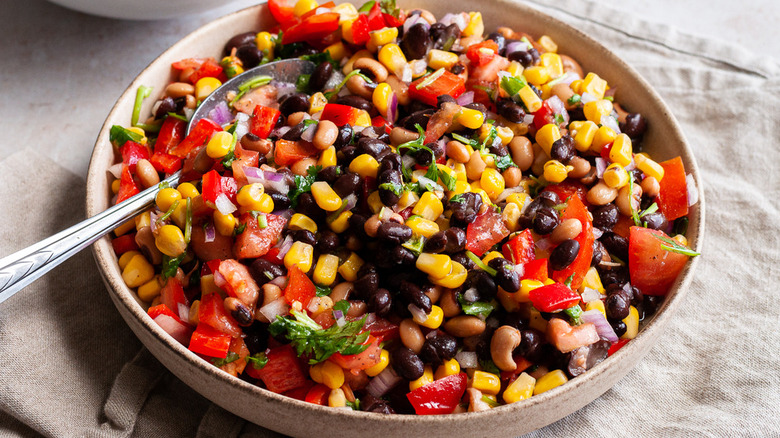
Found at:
[436, 220]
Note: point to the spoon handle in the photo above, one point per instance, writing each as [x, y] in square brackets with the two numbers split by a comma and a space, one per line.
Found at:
[25, 266]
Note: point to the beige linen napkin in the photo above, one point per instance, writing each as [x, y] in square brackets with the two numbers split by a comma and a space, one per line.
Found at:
[70, 367]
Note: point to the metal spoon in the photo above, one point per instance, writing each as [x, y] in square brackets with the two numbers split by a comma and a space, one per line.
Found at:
[23, 267]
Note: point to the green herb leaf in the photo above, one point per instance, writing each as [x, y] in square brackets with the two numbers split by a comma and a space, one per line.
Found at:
[467, 141]
[488, 366]
[178, 116]
[673, 246]
[558, 119]
[477, 308]
[321, 291]
[319, 58]
[239, 229]
[366, 6]
[258, 360]
[447, 180]
[634, 214]
[457, 198]
[569, 280]
[308, 338]
[415, 244]
[477, 261]
[389, 7]
[512, 85]
[303, 184]
[503, 163]
[650, 210]
[609, 98]
[397, 189]
[354, 405]
[574, 99]
[188, 222]
[431, 78]
[490, 401]
[170, 265]
[142, 93]
[168, 213]
[248, 85]
[119, 135]
[302, 83]
[574, 313]
[232, 356]
[342, 305]
[417, 145]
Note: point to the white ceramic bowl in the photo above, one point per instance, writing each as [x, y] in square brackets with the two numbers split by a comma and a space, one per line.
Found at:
[142, 9]
[663, 140]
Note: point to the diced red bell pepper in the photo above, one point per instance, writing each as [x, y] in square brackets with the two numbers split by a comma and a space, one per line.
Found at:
[209, 69]
[361, 361]
[482, 53]
[520, 249]
[543, 116]
[617, 346]
[536, 270]
[300, 392]
[263, 120]
[215, 185]
[340, 114]
[553, 297]
[522, 365]
[375, 19]
[328, 5]
[391, 21]
[652, 268]
[360, 30]
[172, 294]
[672, 199]
[171, 134]
[132, 152]
[161, 309]
[209, 341]
[127, 185]
[605, 150]
[283, 371]
[199, 134]
[255, 241]
[288, 152]
[299, 287]
[575, 209]
[124, 243]
[381, 122]
[447, 83]
[486, 230]
[283, 11]
[568, 188]
[312, 28]
[167, 163]
[318, 394]
[212, 312]
[439, 397]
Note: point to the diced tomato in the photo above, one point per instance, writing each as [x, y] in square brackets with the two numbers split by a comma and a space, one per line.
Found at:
[255, 241]
[486, 230]
[288, 152]
[299, 287]
[283, 371]
[360, 30]
[215, 185]
[575, 209]
[543, 116]
[263, 120]
[199, 134]
[273, 256]
[212, 312]
[282, 10]
[522, 365]
[672, 199]
[318, 394]
[382, 329]
[312, 28]
[652, 268]
[163, 162]
[440, 397]
[172, 294]
[210, 342]
[361, 361]
[171, 134]
[240, 283]
[184, 64]
[520, 249]
[132, 152]
[381, 122]
[391, 21]
[623, 225]
[553, 297]
[209, 69]
[244, 158]
[236, 367]
[127, 185]
[300, 392]
[447, 83]
[161, 309]
[124, 243]
[375, 19]
[340, 114]
[535, 270]
[482, 53]
[568, 188]
[617, 346]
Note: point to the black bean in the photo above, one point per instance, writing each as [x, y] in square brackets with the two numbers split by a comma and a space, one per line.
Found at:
[393, 232]
[497, 148]
[458, 69]
[376, 132]
[357, 225]
[514, 319]
[444, 98]
[656, 221]
[531, 341]
[355, 102]
[239, 40]
[344, 138]
[499, 40]
[371, 146]
[619, 327]
[380, 302]
[522, 56]
[294, 103]
[483, 283]
[294, 133]
[545, 220]
[465, 210]
[510, 110]
[477, 106]
[617, 306]
[281, 202]
[388, 194]
[347, 184]
[367, 284]
[167, 105]
[249, 55]
[407, 364]
[564, 254]
[436, 243]
[390, 161]
[605, 217]
[304, 236]
[349, 153]
[638, 296]
[563, 149]
[256, 339]
[263, 271]
[615, 244]
[634, 126]
[416, 43]
[456, 240]
[438, 349]
[412, 294]
[369, 403]
[651, 304]
[416, 118]
[320, 76]
[327, 242]
[506, 276]
[613, 275]
[308, 206]
[444, 36]
[598, 253]
[463, 259]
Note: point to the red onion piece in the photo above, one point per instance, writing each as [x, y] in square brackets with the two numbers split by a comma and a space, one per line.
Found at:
[470, 294]
[153, 221]
[220, 114]
[414, 19]
[280, 281]
[383, 382]
[116, 170]
[520, 270]
[242, 125]
[610, 122]
[280, 131]
[590, 294]
[184, 312]
[277, 307]
[286, 245]
[602, 325]
[601, 166]
[693, 191]
[517, 46]
[417, 313]
[545, 244]
[210, 232]
[178, 330]
[282, 89]
[461, 20]
[224, 205]
[587, 97]
[556, 104]
[597, 233]
[308, 133]
[392, 109]
[465, 98]
[219, 279]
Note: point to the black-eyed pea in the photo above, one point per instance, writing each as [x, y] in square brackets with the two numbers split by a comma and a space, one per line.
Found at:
[512, 177]
[626, 202]
[650, 186]
[601, 194]
[580, 167]
[147, 174]
[179, 89]
[326, 134]
[341, 291]
[449, 303]
[457, 151]
[300, 167]
[504, 341]
[411, 335]
[522, 152]
[297, 117]
[372, 225]
[464, 326]
[568, 229]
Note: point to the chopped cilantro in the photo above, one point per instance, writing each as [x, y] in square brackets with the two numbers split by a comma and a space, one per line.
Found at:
[239, 229]
[321, 290]
[120, 135]
[415, 244]
[232, 356]
[168, 213]
[489, 366]
[477, 308]
[559, 119]
[431, 78]
[342, 305]
[503, 163]
[467, 141]
[447, 180]
[188, 222]
[303, 184]
[649, 210]
[397, 189]
[417, 144]
[248, 85]
[366, 6]
[490, 401]
[319, 58]
[389, 7]
[480, 264]
[302, 83]
[318, 344]
[673, 246]
[170, 265]
[574, 313]
[457, 198]
[354, 405]
[512, 85]
[178, 116]
[258, 360]
[574, 99]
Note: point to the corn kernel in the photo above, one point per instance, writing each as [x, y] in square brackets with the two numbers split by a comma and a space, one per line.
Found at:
[519, 199]
[476, 25]
[317, 102]
[547, 135]
[460, 187]
[488, 383]
[492, 182]
[149, 290]
[328, 157]
[315, 372]
[536, 320]
[350, 267]
[300, 254]
[594, 110]
[265, 43]
[552, 61]
[447, 368]
[382, 96]
[615, 176]
[206, 86]
[115, 184]
[250, 194]
[375, 202]
[555, 171]
[383, 36]
[520, 389]
[224, 223]
[208, 285]
[142, 220]
[583, 134]
[332, 375]
[593, 85]
[170, 241]
[422, 227]
[433, 319]
[337, 398]
[604, 136]
[187, 190]
[526, 286]
[596, 305]
[124, 228]
[384, 360]
[649, 167]
[326, 269]
[392, 57]
[510, 215]
[166, 198]
[682, 240]
[490, 256]
[470, 118]
[441, 59]
[436, 265]
[407, 199]
[140, 132]
[549, 381]
[325, 197]
[547, 44]
[632, 324]
[425, 379]
[456, 278]
[364, 165]
[138, 271]
[536, 75]
[592, 280]
[300, 221]
[265, 204]
[429, 206]
[505, 134]
[621, 150]
[125, 258]
[530, 99]
[303, 6]
[219, 145]
[346, 11]
[341, 223]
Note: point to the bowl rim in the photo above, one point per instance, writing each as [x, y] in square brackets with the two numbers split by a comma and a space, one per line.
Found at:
[106, 259]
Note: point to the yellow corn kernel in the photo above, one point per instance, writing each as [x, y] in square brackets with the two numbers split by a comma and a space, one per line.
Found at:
[364, 165]
[315, 372]
[125, 258]
[300, 221]
[265, 204]
[384, 360]
[337, 398]
[519, 199]
[264, 41]
[436, 265]
[549, 381]
[530, 99]
[549, 281]
[526, 286]
[140, 132]
[138, 271]
[470, 118]
[350, 267]
[383, 36]
[149, 290]
[338, 51]
[510, 215]
[615, 176]
[604, 136]
[632, 324]
[374, 202]
[231, 65]
[505, 134]
[208, 285]
[593, 85]
[300, 254]
[341, 223]
[447, 368]
[392, 57]
[170, 241]
[407, 199]
[547, 44]
[327, 157]
[363, 118]
[482, 194]
[492, 182]
[166, 198]
[552, 61]
[422, 227]
[332, 375]
[621, 150]
[458, 169]
[460, 187]
[520, 389]
[382, 96]
[433, 319]
[488, 383]
[583, 132]
[219, 145]
[187, 190]
[476, 26]
[547, 135]
[224, 223]
[429, 206]
[682, 240]
[326, 269]
[179, 215]
[206, 86]
[555, 171]
[592, 280]
[250, 194]
[596, 305]
[317, 102]
[425, 379]
[490, 256]
[325, 197]
[303, 6]
[441, 59]
[456, 278]
[142, 220]
[124, 228]
[536, 320]
[576, 86]
[648, 166]
[115, 186]
[596, 109]
[347, 11]
[536, 75]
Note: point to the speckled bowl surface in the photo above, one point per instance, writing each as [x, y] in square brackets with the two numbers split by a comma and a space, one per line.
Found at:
[663, 140]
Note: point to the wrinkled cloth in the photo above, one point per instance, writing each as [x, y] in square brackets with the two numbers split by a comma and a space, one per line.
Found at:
[71, 367]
